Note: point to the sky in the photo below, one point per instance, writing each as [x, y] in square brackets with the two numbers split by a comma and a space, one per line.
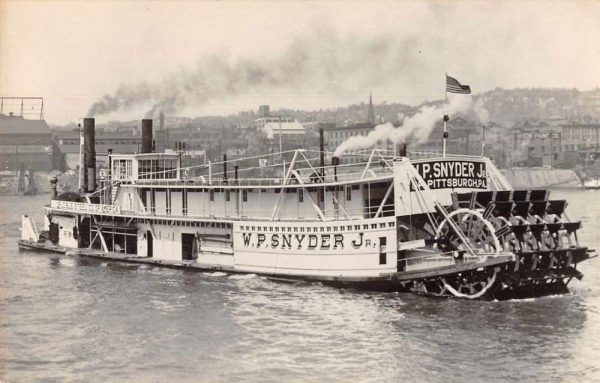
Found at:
[129, 60]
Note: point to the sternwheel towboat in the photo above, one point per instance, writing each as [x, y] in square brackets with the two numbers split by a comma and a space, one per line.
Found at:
[444, 225]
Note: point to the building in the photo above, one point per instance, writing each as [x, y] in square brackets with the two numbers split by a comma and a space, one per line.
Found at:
[580, 137]
[335, 135]
[464, 137]
[535, 143]
[265, 117]
[25, 142]
[68, 143]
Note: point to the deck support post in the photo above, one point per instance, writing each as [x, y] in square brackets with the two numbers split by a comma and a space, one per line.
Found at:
[283, 186]
[387, 194]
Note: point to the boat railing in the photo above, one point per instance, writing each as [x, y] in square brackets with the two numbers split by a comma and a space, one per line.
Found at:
[265, 214]
[340, 213]
[258, 182]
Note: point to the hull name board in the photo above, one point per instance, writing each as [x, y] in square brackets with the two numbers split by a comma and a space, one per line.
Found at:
[446, 174]
[305, 241]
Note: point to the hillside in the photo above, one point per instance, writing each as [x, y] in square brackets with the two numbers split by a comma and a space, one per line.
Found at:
[505, 106]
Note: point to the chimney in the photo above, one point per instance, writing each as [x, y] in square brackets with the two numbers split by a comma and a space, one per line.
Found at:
[322, 151]
[335, 161]
[146, 136]
[225, 167]
[89, 134]
[401, 150]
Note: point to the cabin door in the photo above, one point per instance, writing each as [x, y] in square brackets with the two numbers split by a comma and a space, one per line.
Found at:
[187, 246]
[150, 243]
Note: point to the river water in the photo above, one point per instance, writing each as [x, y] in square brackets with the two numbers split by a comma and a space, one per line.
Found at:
[66, 319]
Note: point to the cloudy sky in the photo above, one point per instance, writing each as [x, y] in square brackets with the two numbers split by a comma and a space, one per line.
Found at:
[131, 59]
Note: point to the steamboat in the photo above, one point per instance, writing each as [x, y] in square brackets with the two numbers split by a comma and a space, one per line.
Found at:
[446, 226]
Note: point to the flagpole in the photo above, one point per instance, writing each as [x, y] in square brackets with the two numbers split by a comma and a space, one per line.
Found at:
[446, 88]
[445, 116]
[482, 139]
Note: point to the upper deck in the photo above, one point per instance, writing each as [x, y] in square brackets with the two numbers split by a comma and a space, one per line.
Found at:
[292, 169]
[296, 187]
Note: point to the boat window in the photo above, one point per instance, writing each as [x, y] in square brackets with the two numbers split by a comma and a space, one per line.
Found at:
[342, 228]
[391, 224]
[276, 229]
[322, 228]
[349, 227]
[212, 195]
[295, 230]
[302, 230]
[348, 194]
[356, 227]
[245, 195]
[382, 225]
[373, 226]
[270, 228]
[301, 195]
[365, 227]
[335, 228]
[227, 195]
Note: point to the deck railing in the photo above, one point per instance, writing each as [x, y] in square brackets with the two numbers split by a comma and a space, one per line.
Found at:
[228, 214]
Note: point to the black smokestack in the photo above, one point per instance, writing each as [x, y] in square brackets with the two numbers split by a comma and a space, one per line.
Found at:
[146, 136]
[322, 152]
[89, 134]
[335, 161]
[225, 167]
[401, 150]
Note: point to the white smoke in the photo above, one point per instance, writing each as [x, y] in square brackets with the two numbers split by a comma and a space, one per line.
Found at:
[482, 113]
[418, 126]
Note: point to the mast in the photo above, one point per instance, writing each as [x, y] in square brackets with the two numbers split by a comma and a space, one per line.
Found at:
[482, 139]
[445, 116]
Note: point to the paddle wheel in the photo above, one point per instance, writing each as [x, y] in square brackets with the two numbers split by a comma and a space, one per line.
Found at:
[524, 223]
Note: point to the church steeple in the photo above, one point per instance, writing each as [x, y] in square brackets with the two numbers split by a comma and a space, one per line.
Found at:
[371, 115]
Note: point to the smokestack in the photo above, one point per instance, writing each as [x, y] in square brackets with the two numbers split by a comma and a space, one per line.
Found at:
[89, 134]
[146, 136]
[401, 150]
[82, 179]
[322, 151]
[225, 167]
[335, 161]
[53, 189]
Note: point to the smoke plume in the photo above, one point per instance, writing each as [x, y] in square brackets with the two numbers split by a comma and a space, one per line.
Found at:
[321, 63]
[418, 126]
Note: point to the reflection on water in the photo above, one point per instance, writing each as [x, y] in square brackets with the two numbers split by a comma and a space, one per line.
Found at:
[76, 319]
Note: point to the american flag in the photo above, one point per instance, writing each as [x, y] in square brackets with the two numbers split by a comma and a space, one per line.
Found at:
[453, 86]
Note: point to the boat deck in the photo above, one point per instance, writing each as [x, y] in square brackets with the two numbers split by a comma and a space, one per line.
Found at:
[399, 277]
